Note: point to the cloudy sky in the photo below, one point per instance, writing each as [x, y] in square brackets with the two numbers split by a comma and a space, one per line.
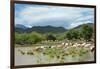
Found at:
[59, 16]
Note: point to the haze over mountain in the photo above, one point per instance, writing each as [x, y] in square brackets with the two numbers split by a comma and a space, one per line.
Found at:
[20, 26]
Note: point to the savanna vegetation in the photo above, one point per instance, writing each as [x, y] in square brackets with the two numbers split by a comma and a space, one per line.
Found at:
[72, 45]
[85, 33]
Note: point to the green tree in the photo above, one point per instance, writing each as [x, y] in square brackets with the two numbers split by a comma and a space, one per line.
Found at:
[73, 34]
[51, 37]
[35, 37]
[87, 32]
[21, 38]
[28, 38]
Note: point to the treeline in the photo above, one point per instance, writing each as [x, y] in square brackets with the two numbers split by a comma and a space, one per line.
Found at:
[85, 32]
[28, 38]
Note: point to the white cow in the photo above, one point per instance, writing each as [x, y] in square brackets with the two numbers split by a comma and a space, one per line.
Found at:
[87, 45]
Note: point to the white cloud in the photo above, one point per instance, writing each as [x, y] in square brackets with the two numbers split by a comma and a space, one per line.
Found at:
[31, 15]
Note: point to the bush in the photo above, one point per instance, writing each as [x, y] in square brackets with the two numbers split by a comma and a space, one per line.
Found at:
[28, 38]
[35, 37]
[73, 34]
[21, 38]
[61, 36]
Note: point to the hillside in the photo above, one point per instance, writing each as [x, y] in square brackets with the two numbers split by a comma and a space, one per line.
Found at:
[89, 24]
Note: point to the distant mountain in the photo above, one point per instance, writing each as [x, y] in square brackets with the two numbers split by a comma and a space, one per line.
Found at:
[40, 29]
[20, 26]
[45, 29]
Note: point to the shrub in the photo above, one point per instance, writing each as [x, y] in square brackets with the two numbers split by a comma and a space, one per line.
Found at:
[35, 37]
[21, 38]
[28, 38]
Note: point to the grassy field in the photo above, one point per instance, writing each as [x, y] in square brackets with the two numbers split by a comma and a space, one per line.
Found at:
[53, 53]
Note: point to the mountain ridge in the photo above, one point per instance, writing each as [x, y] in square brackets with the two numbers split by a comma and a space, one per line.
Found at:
[45, 29]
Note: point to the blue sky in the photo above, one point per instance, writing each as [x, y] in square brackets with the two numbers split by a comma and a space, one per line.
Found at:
[59, 16]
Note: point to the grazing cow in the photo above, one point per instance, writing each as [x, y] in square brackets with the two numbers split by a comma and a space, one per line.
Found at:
[63, 43]
[70, 44]
[83, 44]
[74, 45]
[61, 46]
[66, 44]
[42, 47]
[52, 46]
[92, 48]
[87, 45]
[78, 45]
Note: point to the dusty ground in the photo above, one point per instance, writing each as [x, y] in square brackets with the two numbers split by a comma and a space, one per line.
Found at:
[62, 53]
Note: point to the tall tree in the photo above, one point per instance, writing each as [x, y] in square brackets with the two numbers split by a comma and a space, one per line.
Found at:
[87, 32]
